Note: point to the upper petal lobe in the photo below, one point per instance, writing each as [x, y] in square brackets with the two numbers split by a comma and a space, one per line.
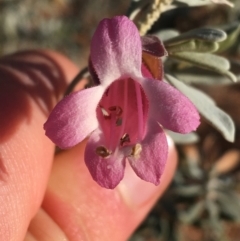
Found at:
[116, 49]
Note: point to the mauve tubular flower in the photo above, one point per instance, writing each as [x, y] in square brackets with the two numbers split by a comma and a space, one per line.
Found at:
[125, 114]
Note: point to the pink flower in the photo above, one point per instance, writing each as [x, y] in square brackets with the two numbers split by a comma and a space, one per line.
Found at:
[124, 115]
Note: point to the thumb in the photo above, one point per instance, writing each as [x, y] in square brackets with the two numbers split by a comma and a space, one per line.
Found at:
[82, 210]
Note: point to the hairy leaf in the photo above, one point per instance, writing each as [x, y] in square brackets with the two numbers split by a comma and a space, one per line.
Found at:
[230, 205]
[194, 213]
[209, 61]
[207, 108]
[183, 139]
[194, 3]
[189, 191]
[233, 31]
[193, 46]
[203, 34]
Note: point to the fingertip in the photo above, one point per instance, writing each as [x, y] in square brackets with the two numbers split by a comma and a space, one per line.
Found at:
[76, 202]
[137, 193]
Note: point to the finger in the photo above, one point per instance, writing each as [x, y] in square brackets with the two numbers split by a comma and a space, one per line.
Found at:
[82, 210]
[30, 83]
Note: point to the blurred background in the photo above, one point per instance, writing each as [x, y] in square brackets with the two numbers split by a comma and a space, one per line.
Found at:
[185, 212]
[67, 25]
[63, 25]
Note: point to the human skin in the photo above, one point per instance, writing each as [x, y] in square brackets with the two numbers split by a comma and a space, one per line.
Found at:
[49, 197]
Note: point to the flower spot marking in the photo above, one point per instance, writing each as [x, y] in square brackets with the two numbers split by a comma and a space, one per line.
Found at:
[117, 111]
[119, 122]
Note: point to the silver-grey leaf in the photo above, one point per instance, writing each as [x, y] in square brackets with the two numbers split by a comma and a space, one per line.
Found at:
[206, 60]
[183, 139]
[194, 75]
[193, 46]
[189, 191]
[194, 213]
[230, 205]
[212, 61]
[194, 3]
[212, 207]
[233, 31]
[164, 35]
[207, 108]
[203, 34]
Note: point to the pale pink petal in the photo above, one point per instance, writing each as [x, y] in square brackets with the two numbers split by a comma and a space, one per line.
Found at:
[107, 172]
[116, 49]
[168, 106]
[152, 159]
[74, 118]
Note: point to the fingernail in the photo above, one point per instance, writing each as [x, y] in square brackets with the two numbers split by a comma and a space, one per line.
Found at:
[137, 192]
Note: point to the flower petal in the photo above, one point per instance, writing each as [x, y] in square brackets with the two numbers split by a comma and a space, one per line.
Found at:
[74, 118]
[116, 49]
[107, 172]
[122, 113]
[151, 162]
[170, 107]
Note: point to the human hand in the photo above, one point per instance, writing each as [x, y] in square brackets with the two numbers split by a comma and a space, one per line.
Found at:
[49, 197]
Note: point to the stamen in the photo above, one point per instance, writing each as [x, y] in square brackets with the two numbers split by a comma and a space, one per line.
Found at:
[103, 151]
[125, 138]
[105, 113]
[136, 151]
[117, 109]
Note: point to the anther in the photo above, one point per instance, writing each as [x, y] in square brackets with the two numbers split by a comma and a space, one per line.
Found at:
[117, 109]
[102, 151]
[136, 151]
[124, 139]
[105, 113]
